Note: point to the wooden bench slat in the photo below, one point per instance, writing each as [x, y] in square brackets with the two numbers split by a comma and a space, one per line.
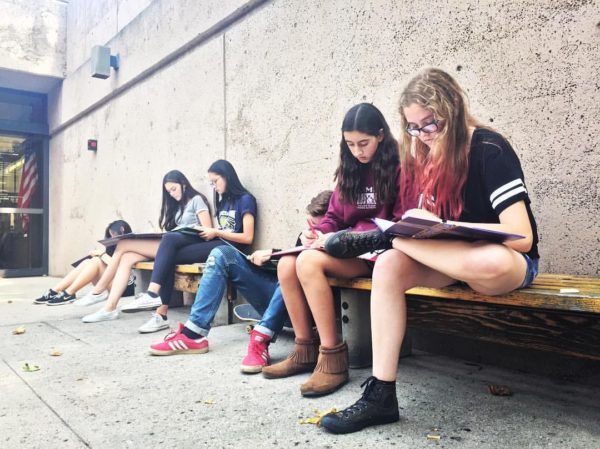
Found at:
[540, 295]
[195, 268]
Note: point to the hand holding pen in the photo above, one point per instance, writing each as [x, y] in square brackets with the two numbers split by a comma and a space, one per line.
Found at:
[310, 235]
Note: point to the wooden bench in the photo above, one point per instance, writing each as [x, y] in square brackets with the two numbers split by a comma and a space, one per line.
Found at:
[543, 316]
[557, 313]
[187, 279]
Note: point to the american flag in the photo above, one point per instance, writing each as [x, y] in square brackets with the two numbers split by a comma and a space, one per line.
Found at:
[29, 185]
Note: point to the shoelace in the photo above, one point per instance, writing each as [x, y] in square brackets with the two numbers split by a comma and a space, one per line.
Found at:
[365, 239]
[257, 347]
[362, 403]
[170, 335]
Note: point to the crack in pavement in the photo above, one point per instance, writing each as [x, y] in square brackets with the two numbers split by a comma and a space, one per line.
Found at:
[66, 424]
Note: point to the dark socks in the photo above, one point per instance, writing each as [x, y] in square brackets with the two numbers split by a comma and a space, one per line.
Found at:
[164, 317]
[191, 334]
[152, 294]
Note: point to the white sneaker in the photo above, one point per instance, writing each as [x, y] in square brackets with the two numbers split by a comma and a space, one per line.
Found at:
[154, 324]
[90, 298]
[100, 315]
[141, 303]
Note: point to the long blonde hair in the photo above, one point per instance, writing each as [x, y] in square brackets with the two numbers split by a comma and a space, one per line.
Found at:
[439, 172]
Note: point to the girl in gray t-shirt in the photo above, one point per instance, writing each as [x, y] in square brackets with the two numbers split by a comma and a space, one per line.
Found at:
[181, 205]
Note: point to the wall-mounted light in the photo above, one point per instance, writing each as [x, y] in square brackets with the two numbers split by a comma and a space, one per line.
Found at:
[102, 61]
[92, 145]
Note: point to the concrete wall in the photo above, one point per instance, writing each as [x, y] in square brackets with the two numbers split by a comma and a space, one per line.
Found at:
[270, 93]
[33, 36]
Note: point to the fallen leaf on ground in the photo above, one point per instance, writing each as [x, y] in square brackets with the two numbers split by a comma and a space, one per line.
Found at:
[317, 418]
[30, 368]
[19, 330]
[55, 353]
[208, 401]
[433, 437]
[500, 390]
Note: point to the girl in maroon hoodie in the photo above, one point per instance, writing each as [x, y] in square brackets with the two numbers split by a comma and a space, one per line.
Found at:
[367, 186]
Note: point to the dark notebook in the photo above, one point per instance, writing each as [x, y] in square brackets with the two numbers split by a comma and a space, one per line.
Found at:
[421, 228]
[112, 241]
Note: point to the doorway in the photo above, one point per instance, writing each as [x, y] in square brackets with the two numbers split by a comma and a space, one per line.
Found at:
[23, 187]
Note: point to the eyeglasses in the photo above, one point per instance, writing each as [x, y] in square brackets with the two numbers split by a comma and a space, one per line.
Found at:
[427, 129]
[213, 184]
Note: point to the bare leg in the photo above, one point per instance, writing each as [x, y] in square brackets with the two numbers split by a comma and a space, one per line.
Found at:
[90, 272]
[70, 277]
[293, 296]
[146, 248]
[163, 309]
[394, 273]
[121, 278]
[313, 267]
[488, 268]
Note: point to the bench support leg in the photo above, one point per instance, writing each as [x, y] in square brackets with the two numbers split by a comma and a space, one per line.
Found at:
[356, 328]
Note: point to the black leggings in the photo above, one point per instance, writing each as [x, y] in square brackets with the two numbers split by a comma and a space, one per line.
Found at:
[178, 248]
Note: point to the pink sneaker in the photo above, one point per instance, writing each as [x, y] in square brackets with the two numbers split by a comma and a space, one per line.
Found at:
[176, 343]
[258, 353]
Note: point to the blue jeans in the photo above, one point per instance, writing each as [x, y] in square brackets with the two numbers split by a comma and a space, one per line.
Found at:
[532, 270]
[258, 286]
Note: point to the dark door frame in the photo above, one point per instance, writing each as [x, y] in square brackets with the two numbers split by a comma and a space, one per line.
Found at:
[38, 130]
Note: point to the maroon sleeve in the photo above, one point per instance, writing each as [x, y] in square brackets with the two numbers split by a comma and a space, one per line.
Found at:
[333, 220]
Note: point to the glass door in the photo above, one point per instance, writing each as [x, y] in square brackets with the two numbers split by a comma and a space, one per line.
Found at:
[23, 230]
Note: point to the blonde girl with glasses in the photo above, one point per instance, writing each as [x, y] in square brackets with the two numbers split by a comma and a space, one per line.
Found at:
[462, 171]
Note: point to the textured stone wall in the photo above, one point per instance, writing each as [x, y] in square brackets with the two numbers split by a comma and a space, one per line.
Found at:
[271, 93]
[33, 37]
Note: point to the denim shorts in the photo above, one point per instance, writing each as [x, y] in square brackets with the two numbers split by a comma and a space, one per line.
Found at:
[532, 270]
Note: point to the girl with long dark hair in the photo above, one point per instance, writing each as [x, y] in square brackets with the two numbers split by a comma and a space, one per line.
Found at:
[181, 205]
[367, 182]
[235, 214]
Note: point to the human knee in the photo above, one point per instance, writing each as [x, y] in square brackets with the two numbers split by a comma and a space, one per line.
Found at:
[221, 257]
[393, 265]
[286, 269]
[309, 265]
[491, 262]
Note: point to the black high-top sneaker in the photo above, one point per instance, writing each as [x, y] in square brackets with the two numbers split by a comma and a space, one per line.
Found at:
[378, 405]
[347, 244]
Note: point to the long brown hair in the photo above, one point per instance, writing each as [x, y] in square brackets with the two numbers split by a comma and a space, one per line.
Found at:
[439, 172]
[367, 119]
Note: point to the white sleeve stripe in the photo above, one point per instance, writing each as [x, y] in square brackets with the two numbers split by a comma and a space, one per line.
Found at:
[507, 195]
[504, 188]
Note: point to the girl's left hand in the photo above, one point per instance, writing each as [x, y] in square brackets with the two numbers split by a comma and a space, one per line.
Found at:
[421, 213]
[207, 233]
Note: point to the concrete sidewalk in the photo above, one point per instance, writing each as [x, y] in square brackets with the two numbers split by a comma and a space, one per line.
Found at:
[106, 391]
